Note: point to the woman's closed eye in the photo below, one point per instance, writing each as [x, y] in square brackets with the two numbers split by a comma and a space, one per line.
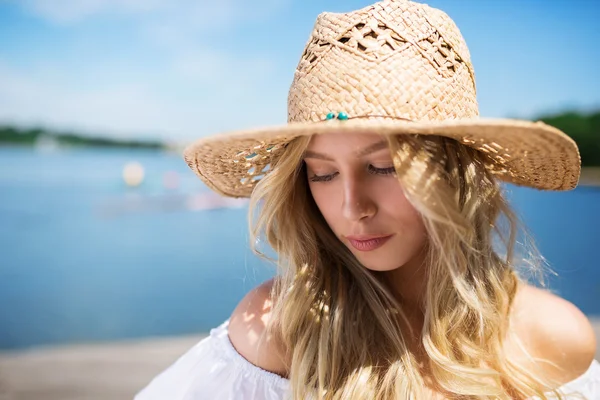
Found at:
[371, 169]
[323, 178]
[381, 171]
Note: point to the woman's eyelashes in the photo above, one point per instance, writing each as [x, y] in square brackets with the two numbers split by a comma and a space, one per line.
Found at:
[371, 170]
[323, 178]
[382, 171]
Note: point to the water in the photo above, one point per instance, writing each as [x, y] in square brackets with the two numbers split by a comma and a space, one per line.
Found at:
[84, 258]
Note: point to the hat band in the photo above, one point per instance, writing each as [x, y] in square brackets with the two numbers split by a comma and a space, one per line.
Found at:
[342, 116]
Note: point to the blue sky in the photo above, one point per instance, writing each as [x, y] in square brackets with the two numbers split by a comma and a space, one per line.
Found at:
[181, 69]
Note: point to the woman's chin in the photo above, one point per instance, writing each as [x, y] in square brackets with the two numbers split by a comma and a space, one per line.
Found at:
[381, 263]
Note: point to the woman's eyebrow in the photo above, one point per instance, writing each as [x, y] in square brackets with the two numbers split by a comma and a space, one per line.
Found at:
[360, 153]
[313, 154]
[372, 148]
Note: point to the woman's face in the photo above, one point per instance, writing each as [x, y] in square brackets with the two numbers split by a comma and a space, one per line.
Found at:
[353, 182]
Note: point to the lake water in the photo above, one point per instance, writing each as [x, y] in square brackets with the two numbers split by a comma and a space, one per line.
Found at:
[84, 258]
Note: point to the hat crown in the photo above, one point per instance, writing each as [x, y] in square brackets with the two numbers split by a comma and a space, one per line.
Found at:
[395, 58]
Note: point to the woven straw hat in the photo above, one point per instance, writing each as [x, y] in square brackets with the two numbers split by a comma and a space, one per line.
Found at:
[395, 67]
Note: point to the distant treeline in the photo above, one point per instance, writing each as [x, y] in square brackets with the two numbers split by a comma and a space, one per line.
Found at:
[584, 129]
[23, 136]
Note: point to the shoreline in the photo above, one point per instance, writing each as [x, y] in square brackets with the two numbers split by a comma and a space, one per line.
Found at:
[590, 176]
[104, 371]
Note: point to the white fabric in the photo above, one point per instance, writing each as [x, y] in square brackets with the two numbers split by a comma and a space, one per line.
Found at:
[213, 369]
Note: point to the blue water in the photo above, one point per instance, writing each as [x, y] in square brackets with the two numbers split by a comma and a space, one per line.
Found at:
[84, 258]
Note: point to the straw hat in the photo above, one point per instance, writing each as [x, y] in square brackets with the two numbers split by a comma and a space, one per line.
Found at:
[395, 67]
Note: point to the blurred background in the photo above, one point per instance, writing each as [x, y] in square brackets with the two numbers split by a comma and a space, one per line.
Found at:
[115, 259]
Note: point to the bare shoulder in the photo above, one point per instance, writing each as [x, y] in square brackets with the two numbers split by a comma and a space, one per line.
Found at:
[554, 330]
[248, 334]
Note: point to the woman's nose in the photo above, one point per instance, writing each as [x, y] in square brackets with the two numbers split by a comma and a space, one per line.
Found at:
[357, 202]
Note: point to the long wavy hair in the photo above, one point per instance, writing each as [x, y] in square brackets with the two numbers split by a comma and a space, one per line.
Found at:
[347, 335]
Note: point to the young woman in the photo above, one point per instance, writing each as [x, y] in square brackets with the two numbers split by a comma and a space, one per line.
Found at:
[397, 264]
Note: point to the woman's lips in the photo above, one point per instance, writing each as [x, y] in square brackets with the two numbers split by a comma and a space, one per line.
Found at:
[368, 243]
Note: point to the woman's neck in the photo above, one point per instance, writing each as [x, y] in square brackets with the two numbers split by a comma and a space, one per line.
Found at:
[409, 284]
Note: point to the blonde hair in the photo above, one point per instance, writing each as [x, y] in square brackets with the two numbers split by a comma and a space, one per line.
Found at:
[342, 325]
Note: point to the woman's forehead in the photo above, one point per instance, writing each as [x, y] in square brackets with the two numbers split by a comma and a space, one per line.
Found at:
[355, 142]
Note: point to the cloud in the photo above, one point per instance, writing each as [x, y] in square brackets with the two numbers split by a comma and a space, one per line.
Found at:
[189, 86]
[73, 11]
[119, 109]
[212, 67]
[175, 12]
[142, 108]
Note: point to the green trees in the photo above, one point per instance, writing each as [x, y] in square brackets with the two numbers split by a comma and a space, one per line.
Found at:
[12, 135]
[584, 129]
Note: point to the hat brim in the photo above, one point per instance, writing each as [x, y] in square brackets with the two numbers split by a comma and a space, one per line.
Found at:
[531, 154]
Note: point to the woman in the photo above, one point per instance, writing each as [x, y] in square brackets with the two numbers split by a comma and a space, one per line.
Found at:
[397, 272]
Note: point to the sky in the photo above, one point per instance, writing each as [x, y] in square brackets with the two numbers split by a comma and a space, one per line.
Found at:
[177, 70]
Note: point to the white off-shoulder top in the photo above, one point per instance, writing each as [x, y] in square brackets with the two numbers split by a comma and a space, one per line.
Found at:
[213, 369]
